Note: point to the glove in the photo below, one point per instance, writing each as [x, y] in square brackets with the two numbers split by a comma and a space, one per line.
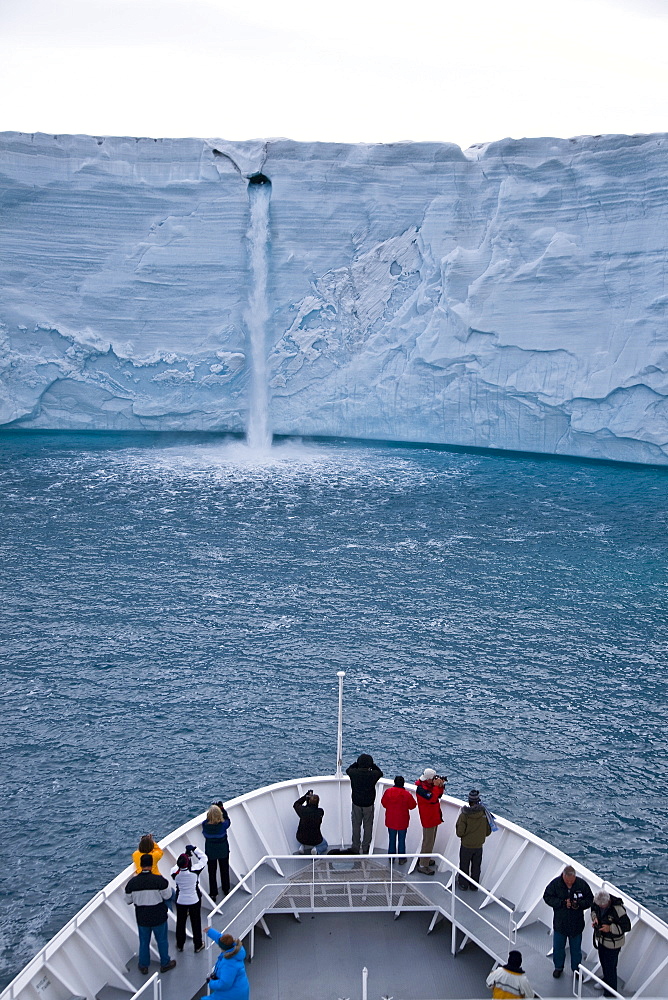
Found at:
[190, 848]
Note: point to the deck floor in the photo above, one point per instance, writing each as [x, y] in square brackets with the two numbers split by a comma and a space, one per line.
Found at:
[323, 956]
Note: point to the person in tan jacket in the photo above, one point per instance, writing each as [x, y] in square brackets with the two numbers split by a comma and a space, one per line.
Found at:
[611, 923]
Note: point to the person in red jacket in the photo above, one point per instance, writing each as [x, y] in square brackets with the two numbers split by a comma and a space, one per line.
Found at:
[397, 802]
[430, 787]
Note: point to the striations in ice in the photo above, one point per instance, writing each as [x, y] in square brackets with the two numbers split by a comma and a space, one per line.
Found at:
[510, 296]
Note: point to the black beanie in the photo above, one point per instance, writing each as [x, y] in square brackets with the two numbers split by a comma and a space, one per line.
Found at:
[514, 963]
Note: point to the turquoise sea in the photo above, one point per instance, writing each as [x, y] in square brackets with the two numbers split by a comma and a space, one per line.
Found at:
[173, 612]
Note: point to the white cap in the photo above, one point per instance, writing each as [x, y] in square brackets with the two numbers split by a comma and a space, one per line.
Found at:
[429, 774]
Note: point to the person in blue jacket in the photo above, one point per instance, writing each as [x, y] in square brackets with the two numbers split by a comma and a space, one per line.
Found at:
[217, 848]
[229, 981]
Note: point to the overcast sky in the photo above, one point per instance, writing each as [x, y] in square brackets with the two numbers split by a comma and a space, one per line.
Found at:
[344, 70]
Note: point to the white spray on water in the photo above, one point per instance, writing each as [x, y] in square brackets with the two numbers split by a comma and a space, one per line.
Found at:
[258, 432]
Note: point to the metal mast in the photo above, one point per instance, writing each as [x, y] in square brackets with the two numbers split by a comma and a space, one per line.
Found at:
[339, 740]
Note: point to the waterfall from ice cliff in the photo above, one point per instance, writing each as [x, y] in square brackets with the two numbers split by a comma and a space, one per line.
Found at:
[258, 432]
[513, 296]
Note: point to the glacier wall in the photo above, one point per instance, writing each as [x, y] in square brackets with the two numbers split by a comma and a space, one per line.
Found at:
[512, 296]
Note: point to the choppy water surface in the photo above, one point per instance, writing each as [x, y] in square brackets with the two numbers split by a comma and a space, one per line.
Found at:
[173, 614]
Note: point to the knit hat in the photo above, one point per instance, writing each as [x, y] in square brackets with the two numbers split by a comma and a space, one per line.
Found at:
[229, 945]
[183, 861]
[399, 781]
[365, 760]
[474, 797]
[428, 775]
[514, 963]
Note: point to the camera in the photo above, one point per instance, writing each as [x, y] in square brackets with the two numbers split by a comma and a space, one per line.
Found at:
[442, 777]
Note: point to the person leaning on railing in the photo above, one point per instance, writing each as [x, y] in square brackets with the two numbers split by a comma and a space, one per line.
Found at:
[473, 828]
[147, 845]
[364, 775]
[429, 789]
[397, 801]
[309, 835]
[217, 848]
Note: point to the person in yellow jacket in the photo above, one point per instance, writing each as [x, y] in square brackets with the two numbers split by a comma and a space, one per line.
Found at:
[147, 845]
[509, 980]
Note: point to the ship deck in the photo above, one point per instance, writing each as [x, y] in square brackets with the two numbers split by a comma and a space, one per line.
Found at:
[313, 949]
[352, 913]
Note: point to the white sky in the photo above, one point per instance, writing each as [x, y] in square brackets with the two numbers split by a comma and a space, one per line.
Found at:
[459, 71]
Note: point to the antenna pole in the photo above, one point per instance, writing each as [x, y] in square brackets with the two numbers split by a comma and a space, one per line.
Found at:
[339, 739]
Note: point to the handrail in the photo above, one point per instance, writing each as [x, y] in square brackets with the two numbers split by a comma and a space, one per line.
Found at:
[157, 987]
[509, 937]
[384, 882]
[454, 870]
[584, 971]
[241, 884]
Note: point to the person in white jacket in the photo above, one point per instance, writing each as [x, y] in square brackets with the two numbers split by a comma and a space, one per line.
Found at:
[510, 980]
[186, 874]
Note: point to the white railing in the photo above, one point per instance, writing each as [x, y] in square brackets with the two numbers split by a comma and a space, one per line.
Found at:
[445, 899]
[155, 982]
[583, 973]
[456, 873]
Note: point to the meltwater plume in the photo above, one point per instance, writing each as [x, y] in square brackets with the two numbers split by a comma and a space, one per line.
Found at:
[258, 431]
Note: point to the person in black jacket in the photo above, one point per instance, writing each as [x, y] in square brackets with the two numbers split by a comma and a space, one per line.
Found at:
[150, 893]
[363, 776]
[568, 895]
[611, 922]
[310, 817]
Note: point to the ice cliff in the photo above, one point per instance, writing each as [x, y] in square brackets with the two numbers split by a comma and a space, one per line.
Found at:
[511, 296]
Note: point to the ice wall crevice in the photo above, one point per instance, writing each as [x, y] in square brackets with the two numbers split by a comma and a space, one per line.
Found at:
[511, 296]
